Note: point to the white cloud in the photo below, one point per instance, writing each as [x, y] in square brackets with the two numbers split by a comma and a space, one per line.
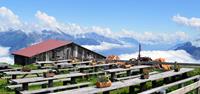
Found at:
[8, 19]
[4, 55]
[105, 46]
[171, 56]
[50, 23]
[47, 22]
[192, 22]
[155, 37]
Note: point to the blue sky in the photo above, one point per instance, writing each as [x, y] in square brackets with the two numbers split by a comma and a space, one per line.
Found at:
[136, 15]
[178, 18]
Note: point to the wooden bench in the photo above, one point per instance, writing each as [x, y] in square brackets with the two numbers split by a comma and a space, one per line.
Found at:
[127, 70]
[134, 76]
[93, 67]
[6, 70]
[121, 73]
[53, 89]
[13, 87]
[118, 74]
[126, 83]
[26, 81]
[188, 88]
[63, 65]
[44, 67]
[4, 66]
[95, 73]
[15, 73]
[163, 88]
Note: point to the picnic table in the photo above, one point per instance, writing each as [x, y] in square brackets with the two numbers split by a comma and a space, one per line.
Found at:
[81, 63]
[73, 64]
[42, 63]
[11, 69]
[125, 83]
[4, 66]
[15, 73]
[63, 65]
[26, 81]
[83, 67]
[61, 61]
[128, 70]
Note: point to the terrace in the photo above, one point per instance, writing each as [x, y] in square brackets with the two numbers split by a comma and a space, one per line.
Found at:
[81, 77]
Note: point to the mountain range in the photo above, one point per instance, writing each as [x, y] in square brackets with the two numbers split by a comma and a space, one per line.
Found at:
[17, 39]
[190, 48]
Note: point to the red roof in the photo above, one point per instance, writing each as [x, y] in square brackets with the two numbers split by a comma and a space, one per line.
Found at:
[41, 47]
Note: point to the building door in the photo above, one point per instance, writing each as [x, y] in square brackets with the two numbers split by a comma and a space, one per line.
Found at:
[68, 53]
[47, 56]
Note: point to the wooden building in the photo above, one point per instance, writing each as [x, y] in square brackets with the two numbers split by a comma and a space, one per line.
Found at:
[50, 50]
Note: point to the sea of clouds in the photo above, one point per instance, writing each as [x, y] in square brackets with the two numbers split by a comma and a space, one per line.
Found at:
[180, 56]
[5, 55]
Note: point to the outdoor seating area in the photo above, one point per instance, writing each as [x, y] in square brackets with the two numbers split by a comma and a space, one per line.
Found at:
[91, 77]
[99, 47]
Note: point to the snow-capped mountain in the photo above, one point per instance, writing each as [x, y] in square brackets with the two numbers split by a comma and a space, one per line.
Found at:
[16, 39]
[190, 47]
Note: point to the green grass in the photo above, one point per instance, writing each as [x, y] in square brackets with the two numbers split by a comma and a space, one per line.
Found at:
[16, 66]
[3, 89]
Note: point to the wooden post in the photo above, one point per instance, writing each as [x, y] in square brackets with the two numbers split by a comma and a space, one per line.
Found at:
[39, 67]
[132, 90]
[184, 75]
[173, 78]
[87, 63]
[81, 70]
[142, 88]
[65, 82]
[87, 77]
[14, 76]
[42, 65]
[44, 85]
[17, 91]
[141, 71]
[154, 84]
[74, 65]
[50, 83]
[128, 72]
[198, 89]
[95, 69]
[58, 66]
[113, 76]
[25, 86]
[110, 66]
[166, 80]
[73, 80]
[106, 92]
